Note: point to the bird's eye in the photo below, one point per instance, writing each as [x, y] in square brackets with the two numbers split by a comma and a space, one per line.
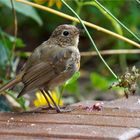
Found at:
[65, 33]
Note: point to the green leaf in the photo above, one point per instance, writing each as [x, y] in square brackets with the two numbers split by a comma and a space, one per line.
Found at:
[72, 85]
[99, 82]
[24, 9]
[73, 78]
[3, 55]
[22, 102]
[19, 42]
[4, 104]
[9, 40]
[23, 54]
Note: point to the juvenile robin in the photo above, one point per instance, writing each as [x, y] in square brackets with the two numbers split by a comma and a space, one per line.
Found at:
[50, 64]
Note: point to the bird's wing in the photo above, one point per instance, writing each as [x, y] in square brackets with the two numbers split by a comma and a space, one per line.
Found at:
[36, 76]
[48, 65]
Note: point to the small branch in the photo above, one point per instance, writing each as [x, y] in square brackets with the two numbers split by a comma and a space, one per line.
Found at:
[15, 27]
[110, 52]
[76, 20]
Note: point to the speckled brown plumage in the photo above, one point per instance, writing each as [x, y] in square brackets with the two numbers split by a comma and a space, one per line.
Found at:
[51, 63]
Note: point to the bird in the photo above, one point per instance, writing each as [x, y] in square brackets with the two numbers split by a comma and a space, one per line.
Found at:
[51, 64]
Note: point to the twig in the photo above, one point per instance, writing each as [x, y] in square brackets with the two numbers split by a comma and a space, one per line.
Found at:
[109, 52]
[15, 27]
[75, 19]
[103, 52]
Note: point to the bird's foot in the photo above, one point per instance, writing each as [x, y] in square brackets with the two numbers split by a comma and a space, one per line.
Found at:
[47, 108]
[58, 109]
[63, 110]
[50, 107]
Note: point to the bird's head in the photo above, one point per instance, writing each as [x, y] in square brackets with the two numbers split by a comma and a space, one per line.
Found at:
[66, 35]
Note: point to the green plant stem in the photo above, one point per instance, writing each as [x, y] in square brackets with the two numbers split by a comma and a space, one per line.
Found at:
[117, 20]
[78, 10]
[90, 38]
[138, 1]
[61, 92]
[15, 34]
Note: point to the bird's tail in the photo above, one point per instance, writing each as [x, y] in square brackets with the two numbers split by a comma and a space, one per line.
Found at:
[11, 83]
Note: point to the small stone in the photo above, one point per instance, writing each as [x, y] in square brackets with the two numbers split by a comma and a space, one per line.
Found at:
[12, 118]
[49, 129]
[78, 116]
[138, 102]
[32, 124]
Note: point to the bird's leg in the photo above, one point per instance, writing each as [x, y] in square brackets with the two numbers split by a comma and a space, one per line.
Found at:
[46, 98]
[58, 109]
